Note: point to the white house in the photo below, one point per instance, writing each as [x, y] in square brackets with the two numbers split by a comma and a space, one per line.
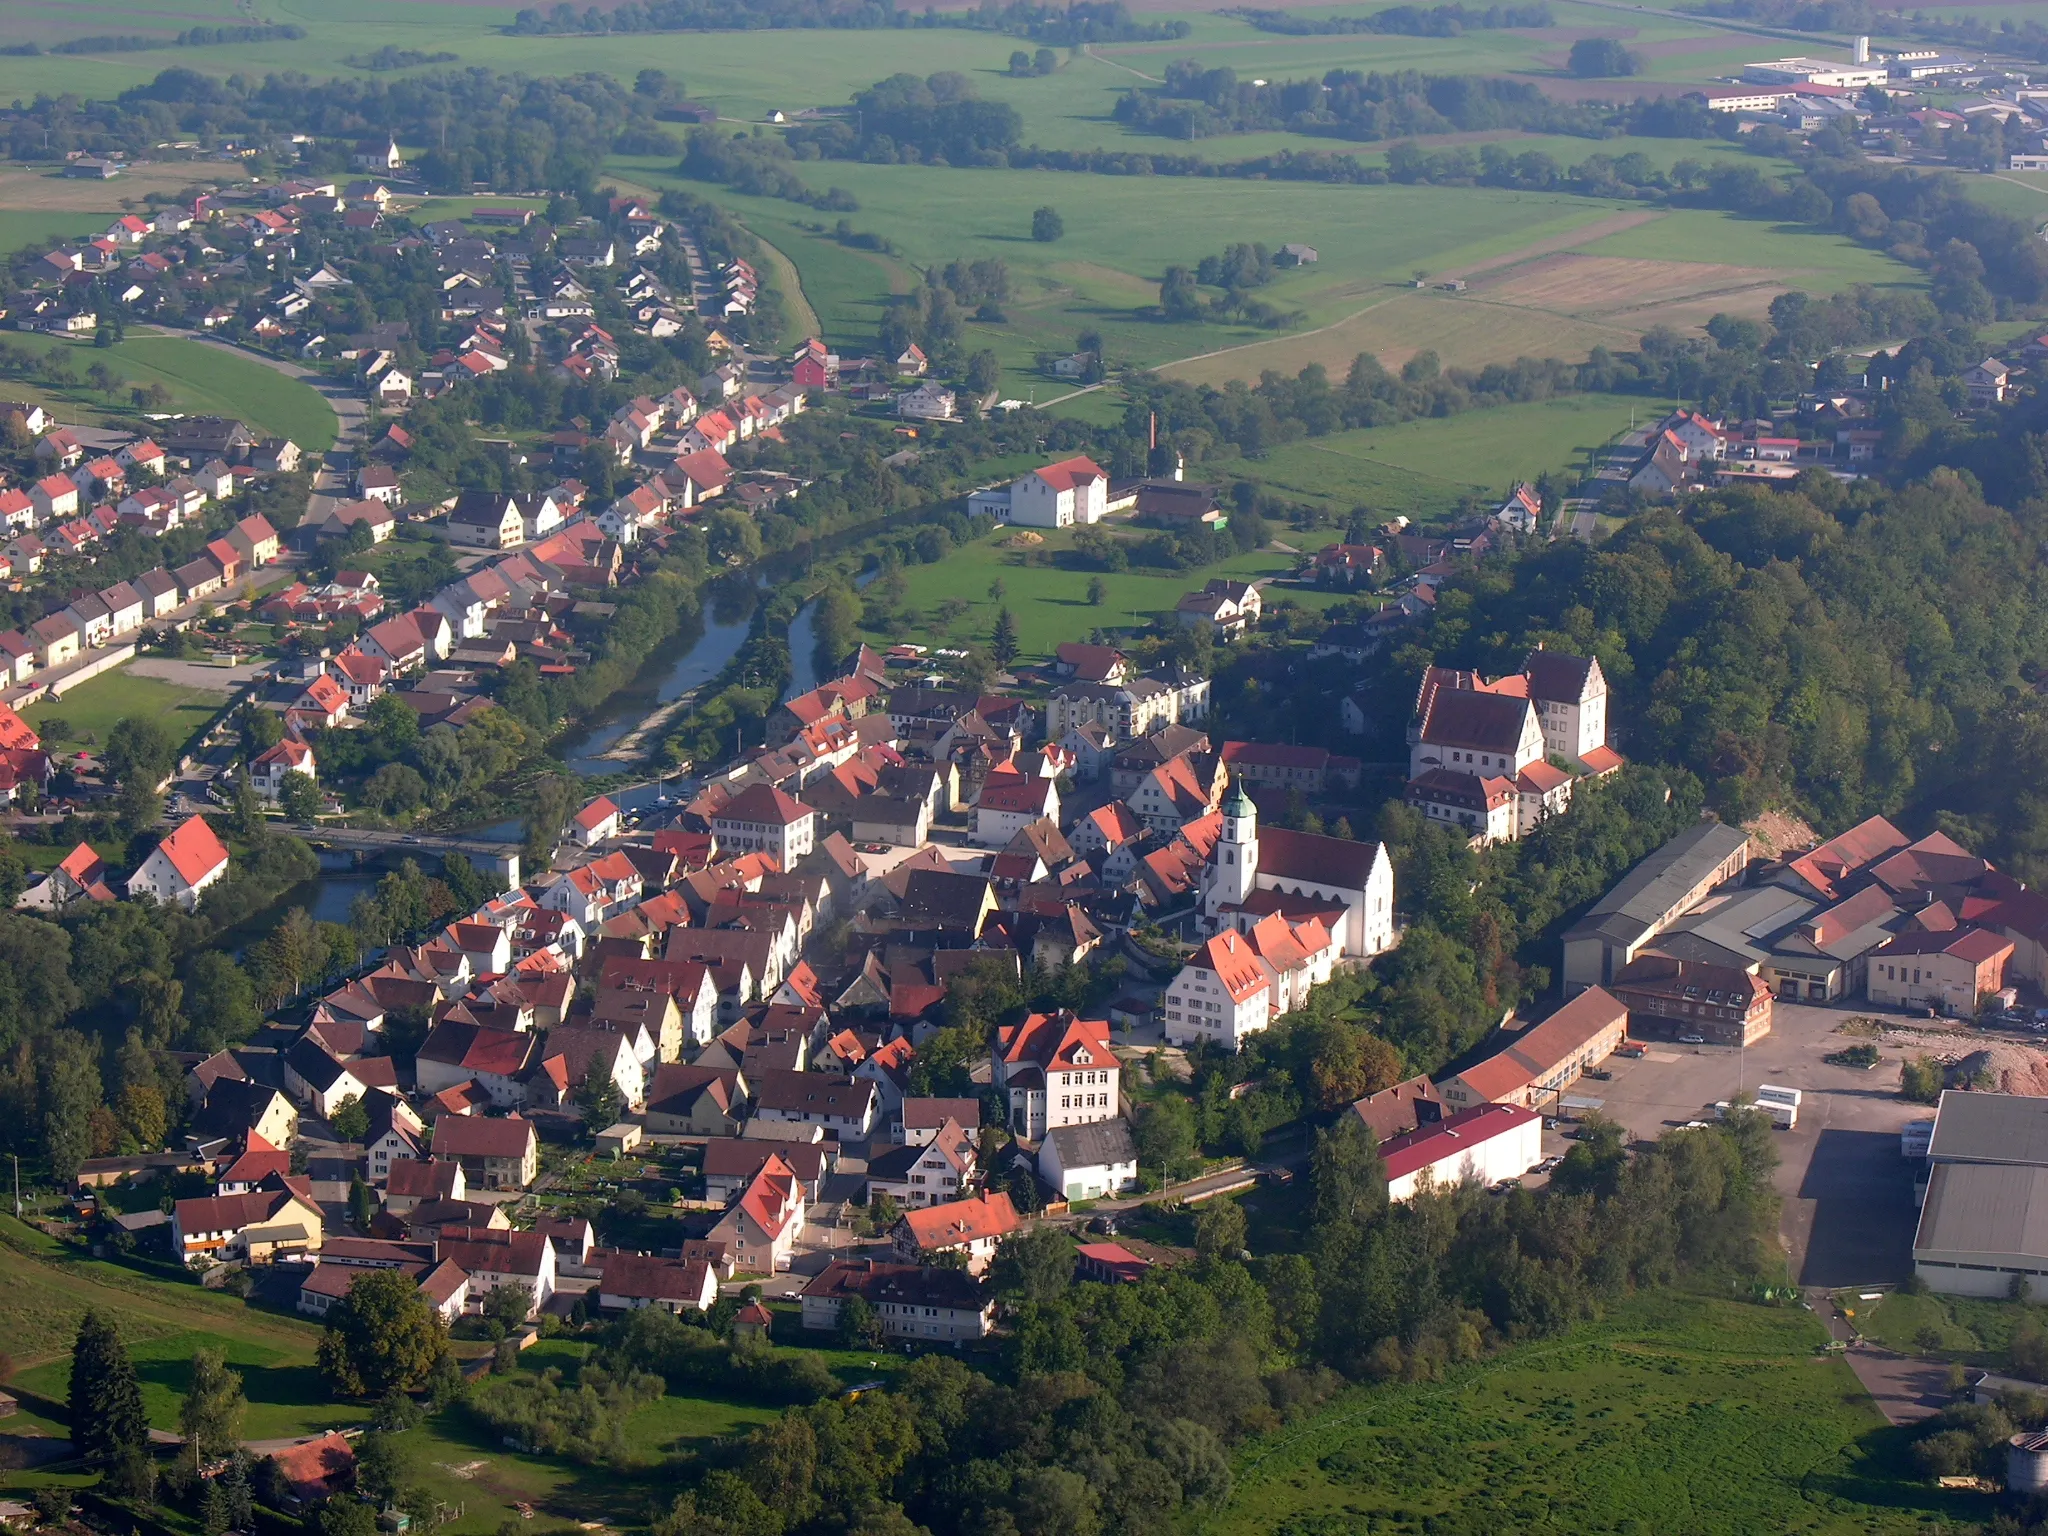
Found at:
[762, 819]
[1060, 495]
[1090, 1162]
[182, 866]
[1056, 1069]
[1011, 801]
[268, 768]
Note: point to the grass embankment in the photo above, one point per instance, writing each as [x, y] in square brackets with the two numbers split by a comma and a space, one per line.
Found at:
[1968, 1329]
[1679, 1413]
[200, 380]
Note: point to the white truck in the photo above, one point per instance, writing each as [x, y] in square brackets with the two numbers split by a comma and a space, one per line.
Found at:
[1781, 1104]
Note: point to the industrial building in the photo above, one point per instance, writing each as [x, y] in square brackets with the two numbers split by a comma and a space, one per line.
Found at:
[1650, 898]
[1984, 1223]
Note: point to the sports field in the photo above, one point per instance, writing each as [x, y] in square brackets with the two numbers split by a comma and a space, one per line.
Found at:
[1422, 469]
[201, 380]
[1679, 1413]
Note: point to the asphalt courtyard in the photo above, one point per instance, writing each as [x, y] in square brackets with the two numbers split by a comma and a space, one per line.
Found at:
[1849, 1207]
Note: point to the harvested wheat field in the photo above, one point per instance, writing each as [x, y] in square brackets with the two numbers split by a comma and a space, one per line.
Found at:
[1572, 283]
[1461, 333]
[44, 189]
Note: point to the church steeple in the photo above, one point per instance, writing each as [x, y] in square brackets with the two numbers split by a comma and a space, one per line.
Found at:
[1234, 865]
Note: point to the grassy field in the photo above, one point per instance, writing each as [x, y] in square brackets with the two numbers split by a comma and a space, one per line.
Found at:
[1678, 1414]
[1961, 1328]
[90, 710]
[1051, 604]
[201, 380]
[747, 75]
[1422, 468]
[1563, 273]
[46, 1286]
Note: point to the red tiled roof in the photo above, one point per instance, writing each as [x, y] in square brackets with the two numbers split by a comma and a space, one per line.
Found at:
[193, 850]
[959, 1222]
[1069, 473]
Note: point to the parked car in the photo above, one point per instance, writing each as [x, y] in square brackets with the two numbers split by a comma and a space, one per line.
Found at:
[1692, 1039]
[1600, 1074]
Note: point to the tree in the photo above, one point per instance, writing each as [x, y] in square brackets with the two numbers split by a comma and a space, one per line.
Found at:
[549, 805]
[351, 1118]
[507, 1305]
[382, 1336]
[345, 1516]
[860, 1326]
[1594, 58]
[1346, 1173]
[69, 1088]
[142, 1114]
[1166, 1135]
[1020, 62]
[598, 1097]
[1046, 225]
[1098, 589]
[984, 371]
[362, 1201]
[1221, 1229]
[1002, 644]
[298, 796]
[1179, 298]
[1035, 1265]
[140, 749]
[210, 1418]
[107, 1422]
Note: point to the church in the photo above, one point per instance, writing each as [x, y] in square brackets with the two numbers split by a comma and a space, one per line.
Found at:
[1252, 874]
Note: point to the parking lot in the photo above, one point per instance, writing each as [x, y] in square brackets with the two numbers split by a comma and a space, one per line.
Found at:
[1849, 1209]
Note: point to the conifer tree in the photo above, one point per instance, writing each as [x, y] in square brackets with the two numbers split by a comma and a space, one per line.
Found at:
[106, 1401]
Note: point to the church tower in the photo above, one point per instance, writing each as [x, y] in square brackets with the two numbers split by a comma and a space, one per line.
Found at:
[1234, 865]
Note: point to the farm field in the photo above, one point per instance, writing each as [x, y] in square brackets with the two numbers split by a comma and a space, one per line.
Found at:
[90, 710]
[201, 380]
[1678, 1413]
[1422, 469]
[1050, 603]
[1681, 265]
[746, 75]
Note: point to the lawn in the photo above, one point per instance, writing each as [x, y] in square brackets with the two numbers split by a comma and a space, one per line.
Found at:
[1051, 604]
[1963, 1328]
[20, 227]
[201, 380]
[1679, 1413]
[1423, 468]
[45, 1287]
[284, 1389]
[90, 710]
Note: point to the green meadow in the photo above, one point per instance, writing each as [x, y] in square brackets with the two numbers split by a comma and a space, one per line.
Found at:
[201, 380]
[1677, 1413]
[89, 711]
[1423, 469]
[1050, 601]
